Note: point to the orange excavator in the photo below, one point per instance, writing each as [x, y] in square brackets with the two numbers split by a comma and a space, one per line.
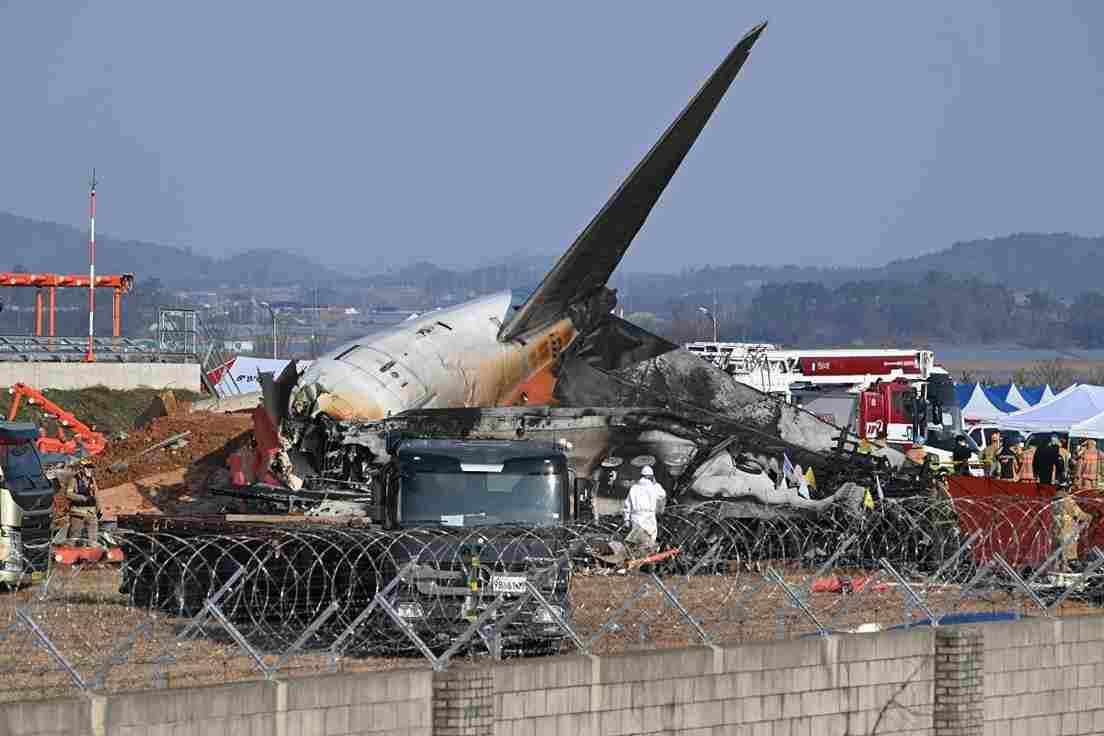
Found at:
[83, 436]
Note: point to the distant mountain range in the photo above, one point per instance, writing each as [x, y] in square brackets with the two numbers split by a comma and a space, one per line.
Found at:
[1063, 264]
[45, 246]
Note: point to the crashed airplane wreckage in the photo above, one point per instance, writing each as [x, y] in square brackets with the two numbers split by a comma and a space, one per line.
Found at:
[477, 370]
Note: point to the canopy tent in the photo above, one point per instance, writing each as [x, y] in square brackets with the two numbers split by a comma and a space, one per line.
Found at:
[1049, 393]
[1075, 404]
[963, 392]
[1032, 394]
[1010, 393]
[1093, 428]
[985, 404]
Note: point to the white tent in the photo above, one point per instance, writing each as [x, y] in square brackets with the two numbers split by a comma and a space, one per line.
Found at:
[984, 405]
[1048, 394]
[1016, 399]
[1073, 405]
[1092, 428]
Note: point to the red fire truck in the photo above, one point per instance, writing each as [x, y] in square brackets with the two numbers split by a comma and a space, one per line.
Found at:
[899, 396]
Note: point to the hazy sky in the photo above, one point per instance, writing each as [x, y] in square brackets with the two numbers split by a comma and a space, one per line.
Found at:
[379, 133]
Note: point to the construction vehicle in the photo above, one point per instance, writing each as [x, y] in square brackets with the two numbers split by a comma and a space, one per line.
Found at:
[26, 505]
[84, 439]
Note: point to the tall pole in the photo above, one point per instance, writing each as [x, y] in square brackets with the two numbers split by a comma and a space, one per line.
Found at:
[91, 356]
[714, 315]
[273, 312]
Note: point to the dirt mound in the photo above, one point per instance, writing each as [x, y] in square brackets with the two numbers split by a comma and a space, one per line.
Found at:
[105, 410]
[213, 437]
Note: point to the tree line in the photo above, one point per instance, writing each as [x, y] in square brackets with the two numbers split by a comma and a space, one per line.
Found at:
[936, 308]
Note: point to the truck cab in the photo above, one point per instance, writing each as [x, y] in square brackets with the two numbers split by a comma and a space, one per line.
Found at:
[917, 417]
[481, 519]
[26, 504]
[465, 483]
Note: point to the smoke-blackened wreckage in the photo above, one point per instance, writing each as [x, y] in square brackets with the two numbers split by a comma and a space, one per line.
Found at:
[461, 447]
[619, 393]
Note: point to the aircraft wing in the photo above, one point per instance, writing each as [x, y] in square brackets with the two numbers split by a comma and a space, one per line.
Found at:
[594, 255]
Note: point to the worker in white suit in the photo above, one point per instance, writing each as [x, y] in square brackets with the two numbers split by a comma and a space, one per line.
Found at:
[646, 499]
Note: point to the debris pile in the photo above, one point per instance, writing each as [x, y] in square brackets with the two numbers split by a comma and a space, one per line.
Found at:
[212, 438]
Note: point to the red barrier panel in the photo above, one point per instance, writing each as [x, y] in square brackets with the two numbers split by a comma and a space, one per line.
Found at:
[968, 486]
[1015, 518]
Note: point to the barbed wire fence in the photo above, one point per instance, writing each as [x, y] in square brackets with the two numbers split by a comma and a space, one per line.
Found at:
[197, 603]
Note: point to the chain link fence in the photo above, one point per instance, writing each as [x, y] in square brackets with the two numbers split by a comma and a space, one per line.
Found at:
[197, 601]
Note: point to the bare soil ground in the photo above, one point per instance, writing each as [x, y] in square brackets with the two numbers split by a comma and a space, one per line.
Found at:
[168, 480]
[213, 437]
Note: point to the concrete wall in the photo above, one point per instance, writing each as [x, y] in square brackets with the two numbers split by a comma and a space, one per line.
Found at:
[811, 686]
[60, 717]
[1026, 677]
[336, 705]
[112, 375]
[1045, 676]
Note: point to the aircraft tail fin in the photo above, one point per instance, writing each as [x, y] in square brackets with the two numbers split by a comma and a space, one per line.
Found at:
[591, 259]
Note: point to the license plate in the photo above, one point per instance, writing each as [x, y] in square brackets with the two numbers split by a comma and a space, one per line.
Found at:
[508, 583]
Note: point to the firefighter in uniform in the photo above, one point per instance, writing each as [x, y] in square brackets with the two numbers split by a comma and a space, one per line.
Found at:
[84, 514]
[1086, 475]
[943, 520]
[1027, 465]
[989, 456]
[1068, 520]
[1066, 460]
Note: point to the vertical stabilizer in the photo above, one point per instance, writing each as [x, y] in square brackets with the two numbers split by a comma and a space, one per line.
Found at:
[594, 255]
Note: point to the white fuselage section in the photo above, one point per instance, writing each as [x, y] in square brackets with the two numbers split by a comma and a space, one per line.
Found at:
[444, 358]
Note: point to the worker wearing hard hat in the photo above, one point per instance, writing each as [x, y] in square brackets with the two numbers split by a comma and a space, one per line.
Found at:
[1068, 520]
[989, 455]
[646, 499]
[83, 521]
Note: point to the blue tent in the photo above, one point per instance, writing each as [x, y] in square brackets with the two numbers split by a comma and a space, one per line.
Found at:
[963, 391]
[998, 400]
[1032, 394]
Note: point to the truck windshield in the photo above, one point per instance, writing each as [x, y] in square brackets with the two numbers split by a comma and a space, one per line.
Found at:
[438, 490]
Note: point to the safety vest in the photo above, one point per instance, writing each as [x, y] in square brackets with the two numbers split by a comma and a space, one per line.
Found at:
[1027, 470]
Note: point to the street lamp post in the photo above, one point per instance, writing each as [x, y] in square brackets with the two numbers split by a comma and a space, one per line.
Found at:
[272, 312]
[706, 311]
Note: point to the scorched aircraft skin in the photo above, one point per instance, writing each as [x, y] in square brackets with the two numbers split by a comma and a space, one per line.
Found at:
[482, 352]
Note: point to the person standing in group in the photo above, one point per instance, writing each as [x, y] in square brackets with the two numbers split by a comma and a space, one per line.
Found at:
[1027, 464]
[1086, 471]
[646, 499]
[989, 456]
[1047, 464]
[961, 456]
[1010, 461]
